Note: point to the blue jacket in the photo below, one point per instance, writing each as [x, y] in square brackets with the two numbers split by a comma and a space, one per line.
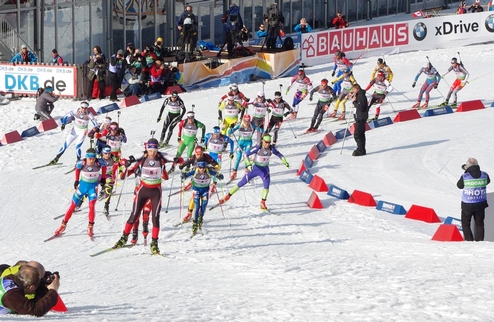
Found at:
[298, 29]
[30, 58]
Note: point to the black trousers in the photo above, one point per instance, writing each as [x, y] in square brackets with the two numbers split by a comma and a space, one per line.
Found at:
[466, 219]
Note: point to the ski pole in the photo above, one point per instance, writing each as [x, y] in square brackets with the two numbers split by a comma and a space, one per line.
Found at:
[290, 126]
[221, 207]
[459, 56]
[391, 105]
[401, 93]
[346, 130]
[170, 193]
[120, 195]
[360, 56]
[181, 199]
[118, 118]
[263, 83]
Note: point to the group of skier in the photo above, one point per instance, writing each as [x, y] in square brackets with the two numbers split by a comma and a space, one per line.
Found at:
[247, 135]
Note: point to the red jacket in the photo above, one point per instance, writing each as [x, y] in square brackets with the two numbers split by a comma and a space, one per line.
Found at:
[339, 22]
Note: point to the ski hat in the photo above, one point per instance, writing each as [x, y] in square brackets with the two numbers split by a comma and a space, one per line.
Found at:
[106, 149]
[84, 105]
[190, 114]
[159, 39]
[260, 94]
[454, 60]
[201, 164]
[233, 87]
[49, 89]
[277, 94]
[23, 46]
[231, 97]
[174, 94]
[107, 120]
[152, 144]
[216, 129]
[90, 153]
[337, 53]
[470, 162]
[246, 118]
[301, 72]
[120, 52]
[324, 81]
[266, 137]
[426, 65]
[380, 61]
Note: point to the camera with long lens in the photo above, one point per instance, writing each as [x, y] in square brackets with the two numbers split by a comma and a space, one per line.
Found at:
[48, 278]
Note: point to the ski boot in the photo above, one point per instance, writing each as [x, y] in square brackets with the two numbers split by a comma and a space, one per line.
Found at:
[90, 229]
[135, 236]
[416, 105]
[122, 241]
[425, 105]
[453, 105]
[61, 229]
[154, 246]
[199, 222]
[224, 199]
[186, 219]
[234, 175]
[195, 227]
[310, 129]
[171, 169]
[444, 103]
[332, 114]
[263, 205]
[342, 116]
[36, 116]
[292, 116]
[55, 161]
[374, 118]
[106, 209]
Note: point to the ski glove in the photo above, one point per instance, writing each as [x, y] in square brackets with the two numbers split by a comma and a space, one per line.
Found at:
[181, 166]
[102, 181]
[231, 155]
[332, 74]
[435, 86]
[176, 160]
[413, 85]
[183, 176]
[269, 100]
[217, 167]
[96, 129]
[179, 139]
[249, 167]
[63, 127]
[202, 140]
[287, 90]
[76, 184]
[158, 120]
[220, 176]
[285, 162]
[286, 114]
[310, 99]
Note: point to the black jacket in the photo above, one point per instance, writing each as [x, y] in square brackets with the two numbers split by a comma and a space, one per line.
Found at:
[361, 107]
[475, 172]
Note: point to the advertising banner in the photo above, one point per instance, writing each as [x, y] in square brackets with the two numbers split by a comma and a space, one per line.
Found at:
[418, 34]
[26, 79]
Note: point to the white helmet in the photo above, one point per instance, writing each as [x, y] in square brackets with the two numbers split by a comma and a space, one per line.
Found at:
[233, 87]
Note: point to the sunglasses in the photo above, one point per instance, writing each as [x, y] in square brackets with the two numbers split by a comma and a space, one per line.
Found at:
[113, 127]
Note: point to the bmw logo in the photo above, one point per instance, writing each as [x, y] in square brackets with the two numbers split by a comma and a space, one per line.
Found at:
[489, 23]
[420, 31]
[151, 163]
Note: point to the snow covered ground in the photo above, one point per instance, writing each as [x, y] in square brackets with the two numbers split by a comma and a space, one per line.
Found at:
[342, 263]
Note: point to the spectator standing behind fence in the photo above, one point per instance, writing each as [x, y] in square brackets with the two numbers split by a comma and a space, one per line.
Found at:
[473, 199]
[462, 8]
[303, 27]
[117, 69]
[339, 21]
[275, 20]
[56, 58]
[97, 72]
[24, 56]
[476, 7]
